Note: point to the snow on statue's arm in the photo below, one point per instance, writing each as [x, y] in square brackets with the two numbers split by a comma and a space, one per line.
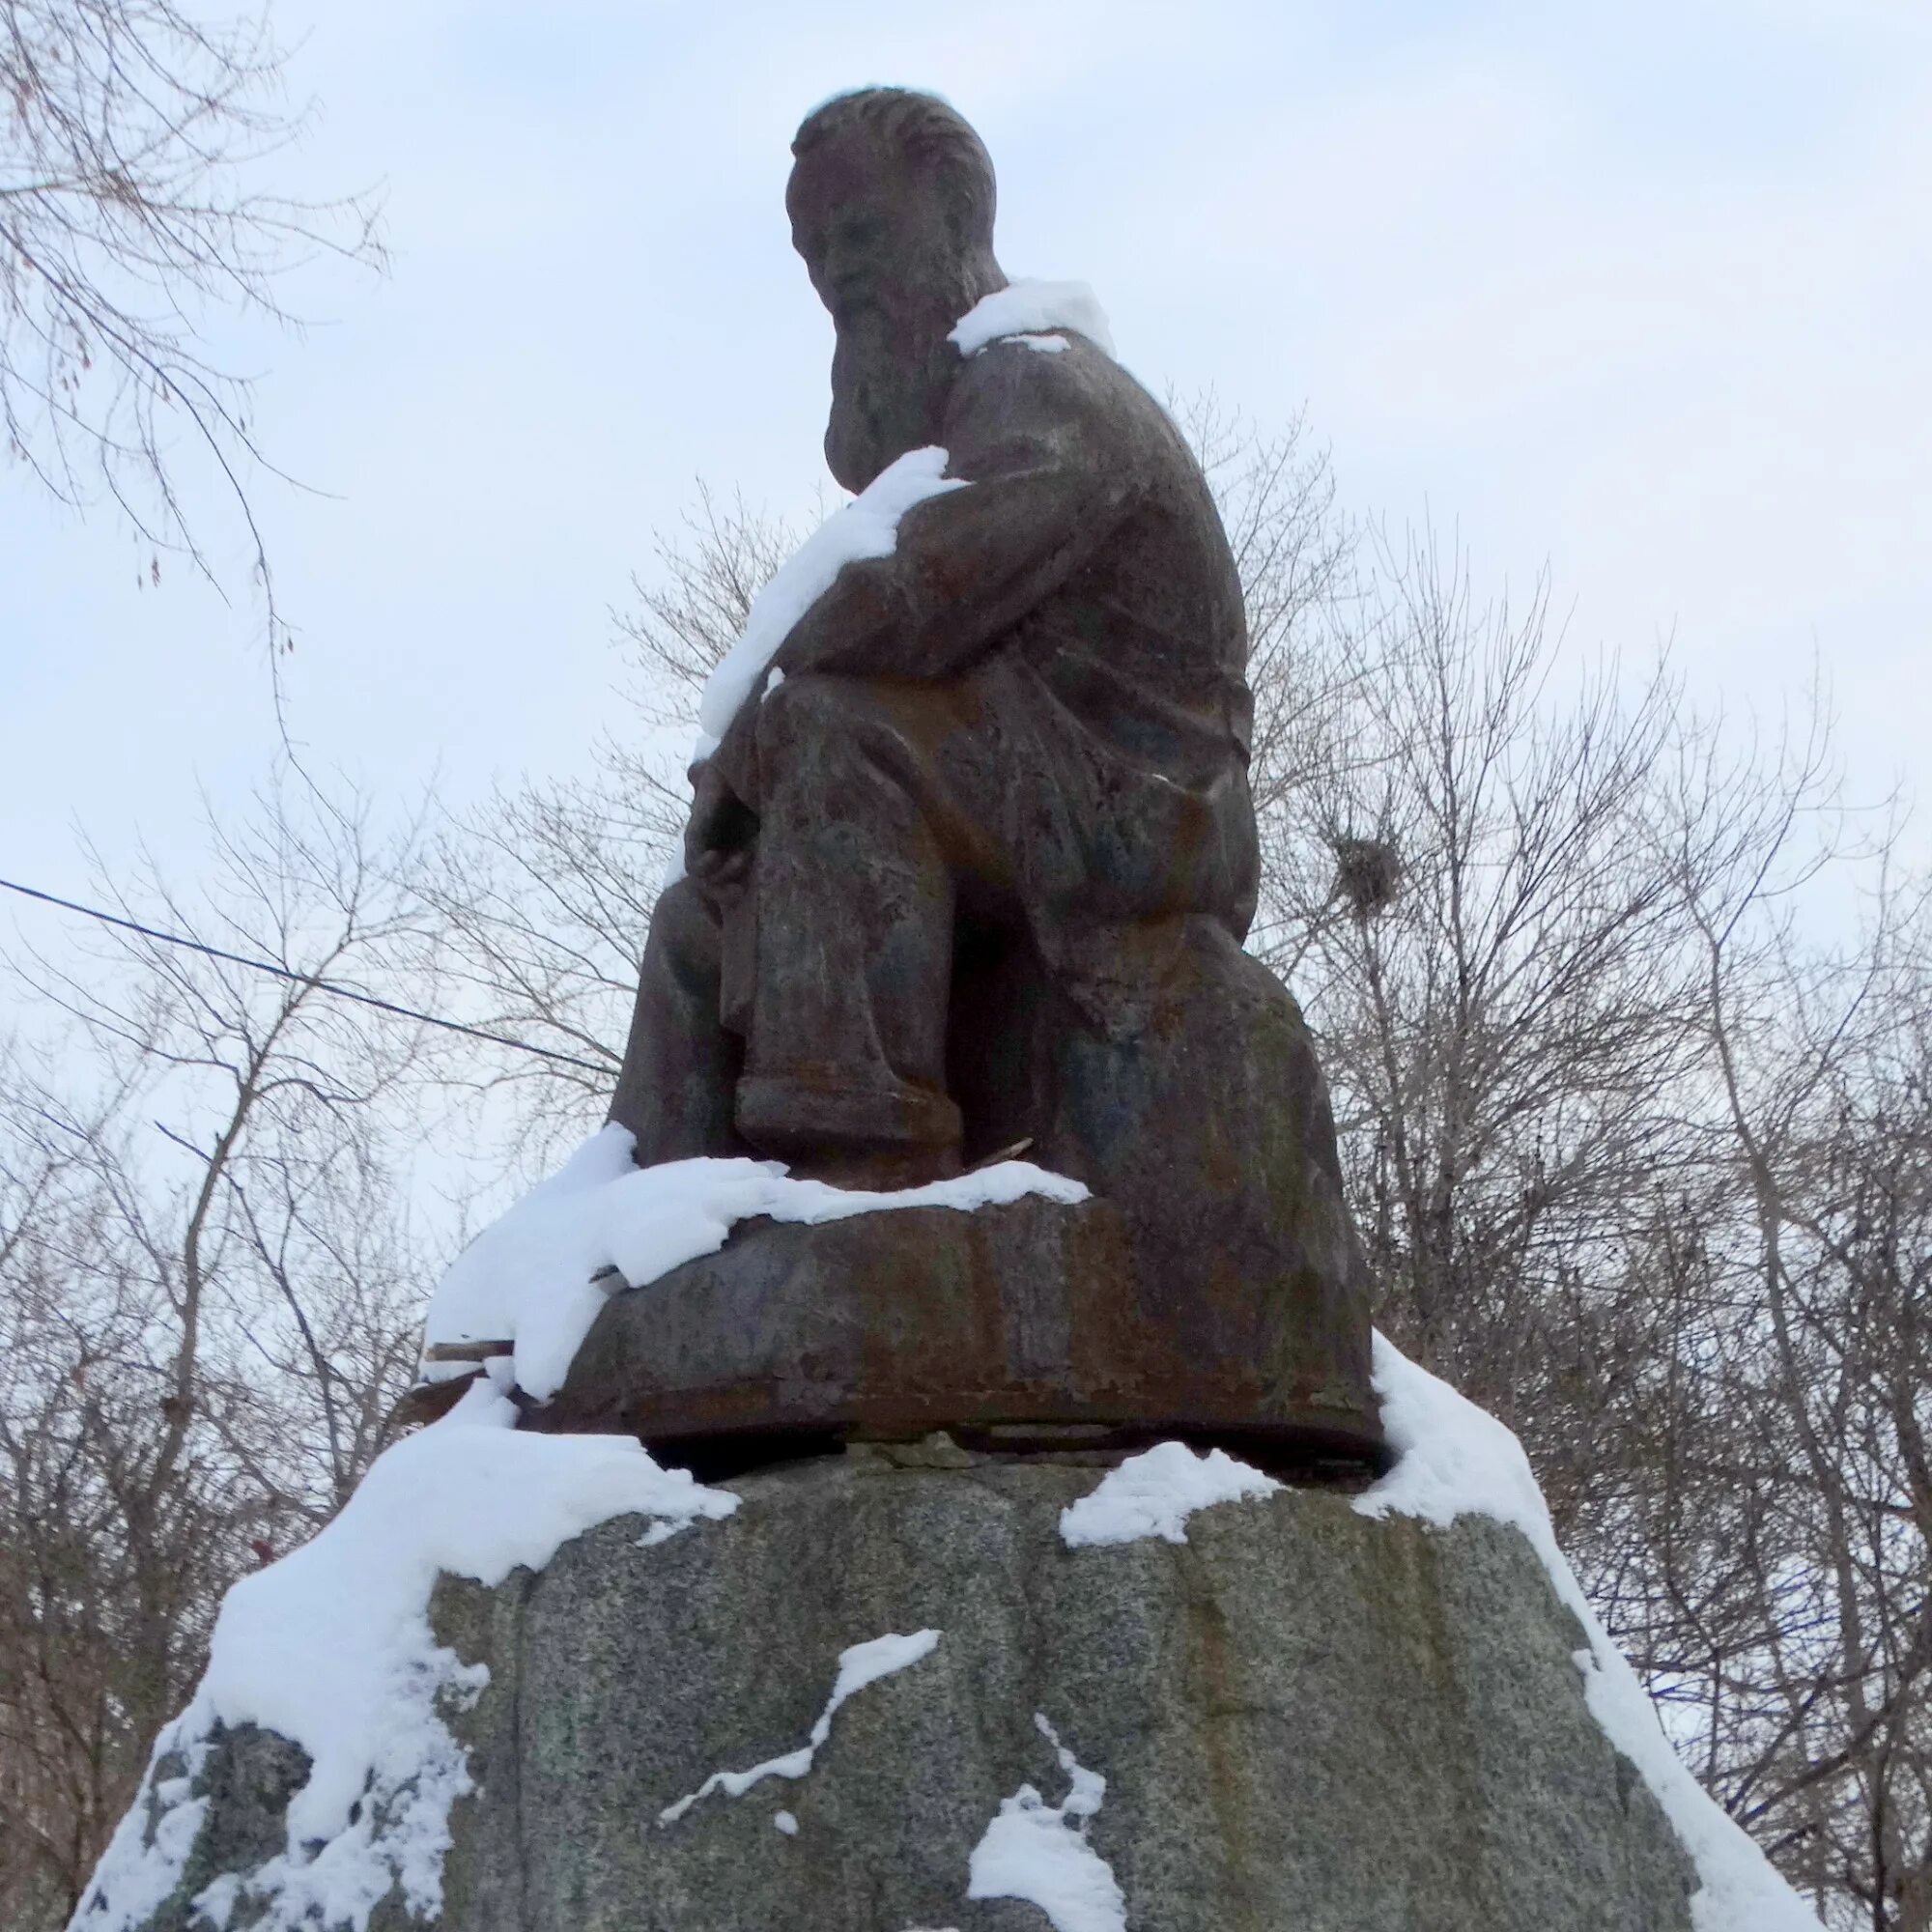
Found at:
[1046, 489]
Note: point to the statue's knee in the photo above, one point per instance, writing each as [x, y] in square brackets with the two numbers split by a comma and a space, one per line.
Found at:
[804, 709]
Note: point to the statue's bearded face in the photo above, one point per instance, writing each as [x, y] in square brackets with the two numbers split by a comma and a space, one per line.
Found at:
[879, 239]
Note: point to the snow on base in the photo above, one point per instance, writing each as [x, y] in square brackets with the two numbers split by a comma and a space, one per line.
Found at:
[331, 1648]
[1458, 1460]
[867, 527]
[1038, 1851]
[1030, 309]
[149, 1848]
[1154, 1495]
[862, 1665]
[527, 1278]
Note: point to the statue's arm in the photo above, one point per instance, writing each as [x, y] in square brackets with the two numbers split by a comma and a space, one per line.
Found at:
[1041, 499]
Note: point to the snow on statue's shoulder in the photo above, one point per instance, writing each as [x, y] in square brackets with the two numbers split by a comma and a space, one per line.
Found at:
[536, 1277]
[1030, 311]
[1154, 1495]
[1456, 1460]
[1034, 312]
[331, 1648]
[867, 527]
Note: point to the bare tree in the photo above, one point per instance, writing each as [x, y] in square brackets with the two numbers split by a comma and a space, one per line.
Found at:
[95, 1638]
[1816, 1257]
[544, 896]
[1503, 1027]
[209, 1297]
[1309, 655]
[1634, 1113]
[132, 137]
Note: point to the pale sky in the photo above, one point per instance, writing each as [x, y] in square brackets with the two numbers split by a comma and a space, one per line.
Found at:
[1638, 290]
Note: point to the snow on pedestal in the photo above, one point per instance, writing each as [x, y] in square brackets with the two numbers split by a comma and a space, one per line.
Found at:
[1456, 1460]
[1208, 1634]
[1154, 1495]
[1038, 1851]
[537, 1276]
[861, 1664]
[331, 1648]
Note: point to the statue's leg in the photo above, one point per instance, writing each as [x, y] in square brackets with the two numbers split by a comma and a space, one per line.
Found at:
[681, 1065]
[846, 1069]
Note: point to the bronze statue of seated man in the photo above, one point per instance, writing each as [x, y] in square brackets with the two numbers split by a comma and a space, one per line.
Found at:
[976, 871]
[1027, 724]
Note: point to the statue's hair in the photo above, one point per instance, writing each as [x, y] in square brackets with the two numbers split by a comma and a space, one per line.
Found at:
[919, 126]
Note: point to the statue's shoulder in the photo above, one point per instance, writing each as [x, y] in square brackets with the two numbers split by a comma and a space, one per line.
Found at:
[1052, 363]
[1056, 383]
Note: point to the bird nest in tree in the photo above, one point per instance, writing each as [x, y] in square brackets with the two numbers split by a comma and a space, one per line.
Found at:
[1368, 874]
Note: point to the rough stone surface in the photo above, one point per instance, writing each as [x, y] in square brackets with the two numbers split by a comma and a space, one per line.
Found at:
[249, 1778]
[1309, 1721]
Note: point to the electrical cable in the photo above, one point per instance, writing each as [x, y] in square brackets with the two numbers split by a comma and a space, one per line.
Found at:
[306, 980]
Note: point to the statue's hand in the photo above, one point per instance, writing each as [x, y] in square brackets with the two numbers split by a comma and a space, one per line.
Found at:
[718, 839]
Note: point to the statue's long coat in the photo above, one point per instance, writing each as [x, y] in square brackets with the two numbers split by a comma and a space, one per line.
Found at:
[1064, 644]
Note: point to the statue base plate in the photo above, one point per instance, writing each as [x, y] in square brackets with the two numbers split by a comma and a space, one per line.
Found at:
[1016, 1325]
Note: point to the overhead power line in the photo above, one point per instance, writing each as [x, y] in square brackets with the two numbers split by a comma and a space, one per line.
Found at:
[304, 979]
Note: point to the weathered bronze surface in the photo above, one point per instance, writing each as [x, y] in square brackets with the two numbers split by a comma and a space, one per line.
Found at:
[976, 871]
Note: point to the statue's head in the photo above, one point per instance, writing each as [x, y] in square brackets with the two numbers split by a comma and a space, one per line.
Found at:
[890, 200]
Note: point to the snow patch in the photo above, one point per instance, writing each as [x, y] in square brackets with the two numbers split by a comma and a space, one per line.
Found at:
[532, 1277]
[1154, 1495]
[1032, 309]
[862, 1665]
[1038, 1851]
[331, 1648]
[148, 1851]
[867, 527]
[784, 1822]
[217, 1900]
[1458, 1460]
